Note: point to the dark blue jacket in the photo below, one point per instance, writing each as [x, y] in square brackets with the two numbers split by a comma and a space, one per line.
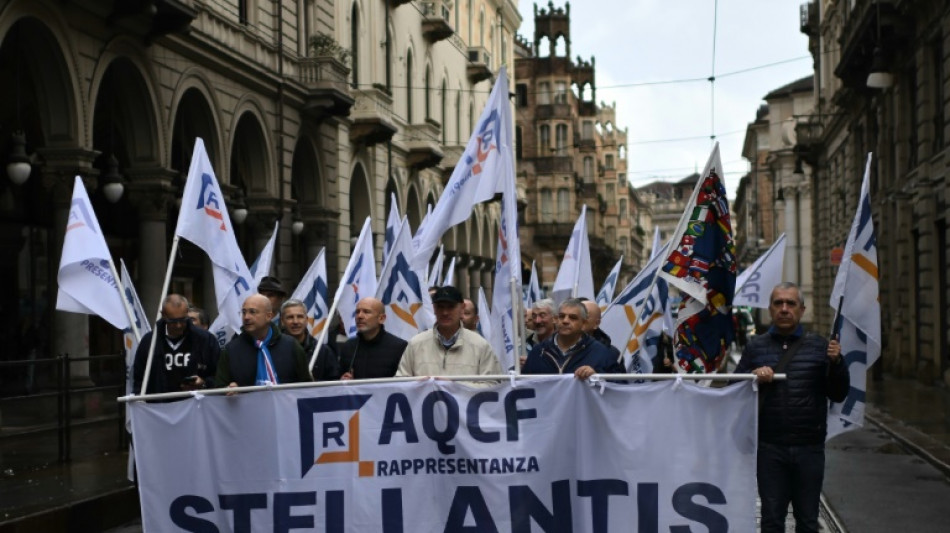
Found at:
[547, 358]
[197, 355]
[794, 412]
[238, 362]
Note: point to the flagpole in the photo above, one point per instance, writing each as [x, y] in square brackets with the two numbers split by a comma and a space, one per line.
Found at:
[636, 321]
[158, 315]
[517, 321]
[835, 324]
[323, 334]
[125, 302]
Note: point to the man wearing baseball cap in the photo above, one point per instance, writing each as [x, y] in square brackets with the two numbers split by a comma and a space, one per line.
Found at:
[448, 349]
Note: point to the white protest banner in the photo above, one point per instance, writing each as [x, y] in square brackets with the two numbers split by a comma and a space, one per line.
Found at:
[435, 456]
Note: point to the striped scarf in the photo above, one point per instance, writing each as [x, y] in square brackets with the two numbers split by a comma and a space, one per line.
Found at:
[265, 363]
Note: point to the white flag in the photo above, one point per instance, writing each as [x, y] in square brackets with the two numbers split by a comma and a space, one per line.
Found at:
[754, 286]
[262, 265]
[435, 276]
[648, 297]
[408, 306]
[221, 327]
[86, 280]
[392, 227]
[312, 291]
[476, 176]
[533, 289]
[203, 220]
[668, 325]
[484, 314]
[606, 293]
[507, 339]
[421, 229]
[574, 278]
[130, 342]
[449, 278]
[856, 291]
[359, 278]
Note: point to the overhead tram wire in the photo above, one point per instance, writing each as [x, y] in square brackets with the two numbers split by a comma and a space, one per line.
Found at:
[712, 78]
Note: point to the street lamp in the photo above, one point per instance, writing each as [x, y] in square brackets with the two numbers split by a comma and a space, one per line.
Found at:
[239, 215]
[879, 77]
[18, 167]
[112, 186]
[297, 226]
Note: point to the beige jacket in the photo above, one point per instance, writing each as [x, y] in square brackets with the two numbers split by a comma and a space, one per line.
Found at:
[471, 355]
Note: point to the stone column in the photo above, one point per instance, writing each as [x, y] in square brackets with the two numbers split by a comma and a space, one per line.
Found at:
[474, 275]
[462, 279]
[150, 191]
[488, 272]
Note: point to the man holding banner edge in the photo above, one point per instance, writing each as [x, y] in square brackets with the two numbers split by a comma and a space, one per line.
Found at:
[792, 413]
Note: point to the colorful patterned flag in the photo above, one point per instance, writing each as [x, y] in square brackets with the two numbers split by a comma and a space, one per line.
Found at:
[856, 292]
[703, 266]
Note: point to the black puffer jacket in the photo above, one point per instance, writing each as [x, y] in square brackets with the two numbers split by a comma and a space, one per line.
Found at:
[794, 412]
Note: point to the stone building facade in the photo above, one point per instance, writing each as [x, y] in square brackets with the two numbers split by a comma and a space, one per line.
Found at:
[776, 197]
[570, 153]
[312, 111]
[903, 120]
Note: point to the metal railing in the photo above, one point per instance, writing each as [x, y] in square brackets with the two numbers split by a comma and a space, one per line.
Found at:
[61, 389]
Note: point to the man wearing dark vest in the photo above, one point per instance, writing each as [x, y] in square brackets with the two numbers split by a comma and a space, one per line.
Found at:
[793, 413]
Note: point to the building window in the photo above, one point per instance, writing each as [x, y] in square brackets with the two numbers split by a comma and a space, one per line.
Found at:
[544, 93]
[611, 236]
[428, 93]
[938, 92]
[519, 155]
[355, 44]
[389, 60]
[521, 92]
[623, 208]
[443, 113]
[544, 143]
[458, 118]
[587, 133]
[588, 169]
[561, 132]
[623, 245]
[609, 161]
[911, 124]
[547, 207]
[611, 191]
[560, 92]
[564, 205]
[409, 86]
[242, 11]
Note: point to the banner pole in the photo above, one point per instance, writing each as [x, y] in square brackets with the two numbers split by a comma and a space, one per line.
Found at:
[517, 322]
[158, 315]
[125, 303]
[323, 334]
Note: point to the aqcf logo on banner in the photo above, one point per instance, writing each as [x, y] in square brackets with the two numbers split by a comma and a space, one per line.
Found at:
[344, 436]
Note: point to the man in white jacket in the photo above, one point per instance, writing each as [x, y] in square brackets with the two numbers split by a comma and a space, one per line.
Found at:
[448, 349]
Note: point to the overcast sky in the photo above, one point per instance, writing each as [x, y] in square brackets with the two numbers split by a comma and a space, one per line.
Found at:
[638, 42]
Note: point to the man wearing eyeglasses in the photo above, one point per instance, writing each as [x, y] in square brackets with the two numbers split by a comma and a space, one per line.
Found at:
[261, 354]
[186, 356]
